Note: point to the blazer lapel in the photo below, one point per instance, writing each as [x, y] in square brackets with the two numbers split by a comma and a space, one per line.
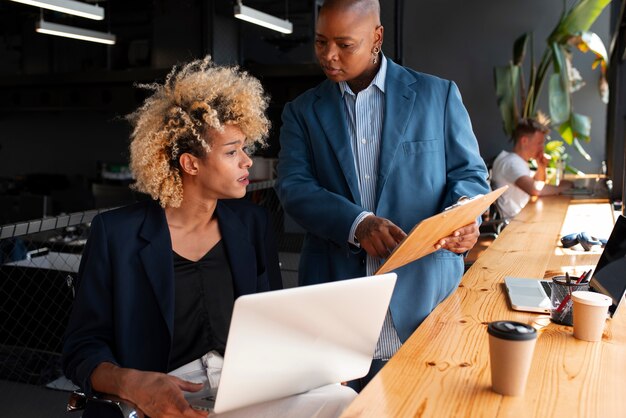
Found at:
[157, 261]
[331, 115]
[239, 251]
[399, 102]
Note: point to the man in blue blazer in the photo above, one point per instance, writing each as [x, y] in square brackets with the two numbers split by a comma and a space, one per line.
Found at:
[367, 155]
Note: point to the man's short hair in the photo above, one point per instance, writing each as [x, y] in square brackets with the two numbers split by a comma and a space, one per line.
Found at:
[527, 127]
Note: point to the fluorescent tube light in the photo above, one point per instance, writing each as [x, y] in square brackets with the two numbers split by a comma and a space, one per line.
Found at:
[263, 19]
[72, 32]
[71, 7]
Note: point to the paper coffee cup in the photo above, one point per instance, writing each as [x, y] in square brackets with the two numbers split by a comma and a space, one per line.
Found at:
[511, 346]
[590, 311]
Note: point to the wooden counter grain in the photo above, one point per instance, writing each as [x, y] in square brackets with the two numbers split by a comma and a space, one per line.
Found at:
[443, 369]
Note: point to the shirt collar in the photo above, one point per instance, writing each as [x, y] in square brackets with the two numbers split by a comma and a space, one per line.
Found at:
[378, 81]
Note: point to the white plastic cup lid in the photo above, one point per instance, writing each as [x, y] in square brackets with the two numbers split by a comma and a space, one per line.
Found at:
[591, 298]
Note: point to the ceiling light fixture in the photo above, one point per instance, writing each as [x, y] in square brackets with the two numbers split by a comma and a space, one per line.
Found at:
[73, 32]
[71, 7]
[263, 19]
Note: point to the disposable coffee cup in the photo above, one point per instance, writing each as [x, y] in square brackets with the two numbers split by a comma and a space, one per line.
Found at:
[590, 312]
[511, 346]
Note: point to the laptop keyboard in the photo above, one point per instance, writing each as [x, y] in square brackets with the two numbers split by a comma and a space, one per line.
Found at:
[546, 287]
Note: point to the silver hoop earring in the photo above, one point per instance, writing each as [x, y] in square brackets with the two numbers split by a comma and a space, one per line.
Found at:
[375, 53]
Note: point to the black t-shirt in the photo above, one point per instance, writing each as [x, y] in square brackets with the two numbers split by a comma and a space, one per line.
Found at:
[203, 305]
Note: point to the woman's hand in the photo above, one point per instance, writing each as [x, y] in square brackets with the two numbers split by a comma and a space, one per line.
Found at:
[461, 240]
[157, 395]
[160, 396]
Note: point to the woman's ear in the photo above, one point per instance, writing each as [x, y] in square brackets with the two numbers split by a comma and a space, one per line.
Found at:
[188, 163]
[379, 35]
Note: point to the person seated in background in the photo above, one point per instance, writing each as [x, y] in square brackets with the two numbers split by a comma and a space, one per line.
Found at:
[512, 169]
[158, 279]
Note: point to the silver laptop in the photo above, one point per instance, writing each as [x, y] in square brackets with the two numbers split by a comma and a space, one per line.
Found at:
[530, 295]
[290, 341]
[608, 277]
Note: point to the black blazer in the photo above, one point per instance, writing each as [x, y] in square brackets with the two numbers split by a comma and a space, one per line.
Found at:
[124, 307]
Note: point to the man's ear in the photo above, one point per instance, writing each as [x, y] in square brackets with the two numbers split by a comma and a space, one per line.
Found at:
[524, 140]
[188, 163]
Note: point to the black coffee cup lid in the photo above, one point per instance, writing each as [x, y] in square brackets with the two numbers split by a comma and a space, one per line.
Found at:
[511, 330]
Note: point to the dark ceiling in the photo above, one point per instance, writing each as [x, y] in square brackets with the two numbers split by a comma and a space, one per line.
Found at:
[49, 73]
[150, 34]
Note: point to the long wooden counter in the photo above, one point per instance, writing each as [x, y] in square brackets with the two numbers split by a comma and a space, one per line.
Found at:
[443, 369]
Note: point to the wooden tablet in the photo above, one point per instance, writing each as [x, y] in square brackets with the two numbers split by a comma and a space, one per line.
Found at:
[423, 237]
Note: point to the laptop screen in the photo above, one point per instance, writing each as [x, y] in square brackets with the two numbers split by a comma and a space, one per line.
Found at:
[609, 277]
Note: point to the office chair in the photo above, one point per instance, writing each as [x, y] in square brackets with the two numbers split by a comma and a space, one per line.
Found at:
[78, 402]
[493, 222]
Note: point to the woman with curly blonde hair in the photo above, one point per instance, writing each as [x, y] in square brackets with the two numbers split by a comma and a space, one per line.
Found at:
[157, 281]
[196, 101]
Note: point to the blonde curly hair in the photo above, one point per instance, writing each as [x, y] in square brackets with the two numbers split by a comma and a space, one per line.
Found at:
[175, 119]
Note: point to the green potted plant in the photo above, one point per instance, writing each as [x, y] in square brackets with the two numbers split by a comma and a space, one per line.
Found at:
[517, 96]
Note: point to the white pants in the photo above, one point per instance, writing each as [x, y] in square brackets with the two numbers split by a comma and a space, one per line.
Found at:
[325, 402]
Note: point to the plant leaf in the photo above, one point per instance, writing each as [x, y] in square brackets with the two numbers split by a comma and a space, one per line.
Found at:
[565, 130]
[579, 18]
[554, 146]
[519, 49]
[532, 79]
[557, 57]
[542, 69]
[581, 150]
[559, 98]
[573, 170]
[581, 125]
[589, 41]
[529, 106]
[559, 102]
[507, 82]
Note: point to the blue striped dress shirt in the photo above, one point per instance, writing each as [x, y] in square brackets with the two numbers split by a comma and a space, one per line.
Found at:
[364, 117]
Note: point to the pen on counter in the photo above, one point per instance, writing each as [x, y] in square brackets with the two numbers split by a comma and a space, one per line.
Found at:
[585, 277]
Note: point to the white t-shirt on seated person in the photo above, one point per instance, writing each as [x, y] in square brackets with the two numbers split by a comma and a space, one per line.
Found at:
[507, 168]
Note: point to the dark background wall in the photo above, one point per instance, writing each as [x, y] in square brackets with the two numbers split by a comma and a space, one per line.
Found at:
[61, 100]
[464, 40]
